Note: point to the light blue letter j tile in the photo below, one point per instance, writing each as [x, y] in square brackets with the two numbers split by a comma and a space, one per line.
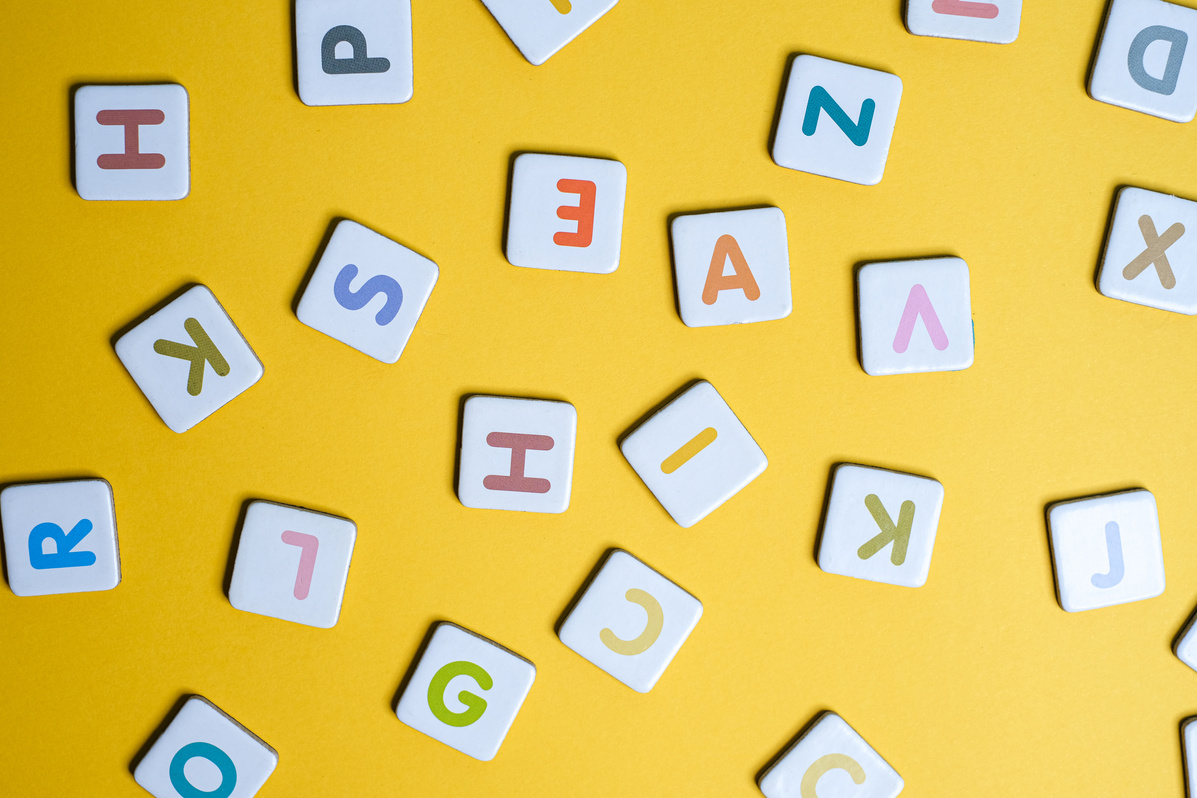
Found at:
[1114, 547]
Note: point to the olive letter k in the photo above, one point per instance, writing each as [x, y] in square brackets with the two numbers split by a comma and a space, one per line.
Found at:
[203, 352]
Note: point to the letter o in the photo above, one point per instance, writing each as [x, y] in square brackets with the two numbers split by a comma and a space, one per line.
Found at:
[228, 772]
[475, 705]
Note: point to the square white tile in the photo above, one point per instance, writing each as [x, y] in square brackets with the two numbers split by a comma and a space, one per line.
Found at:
[367, 291]
[566, 213]
[517, 454]
[60, 537]
[189, 359]
[880, 525]
[995, 21]
[1106, 550]
[831, 760]
[1143, 60]
[204, 752]
[355, 52]
[837, 120]
[732, 267]
[631, 621]
[1151, 251]
[466, 691]
[915, 315]
[132, 142]
[694, 454]
[292, 564]
[539, 29]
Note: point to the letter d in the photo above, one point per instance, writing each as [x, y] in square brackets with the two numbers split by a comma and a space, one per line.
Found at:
[1178, 42]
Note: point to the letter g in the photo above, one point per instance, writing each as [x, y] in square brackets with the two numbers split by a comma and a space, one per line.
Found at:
[475, 705]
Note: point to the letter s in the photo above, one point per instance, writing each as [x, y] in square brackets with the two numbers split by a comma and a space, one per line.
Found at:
[378, 284]
[476, 705]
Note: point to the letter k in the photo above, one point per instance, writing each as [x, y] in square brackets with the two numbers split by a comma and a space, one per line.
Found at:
[203, 352]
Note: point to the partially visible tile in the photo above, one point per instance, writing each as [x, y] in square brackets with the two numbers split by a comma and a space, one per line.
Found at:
[353, 53]
[189, 359]
[694, 454]
[566, 213]
[292, 564]
[915, 315]
[204, 753]
[60, 537]
[132, 142]
[1106, 550]
[542, 27]
[831, 760]
[466, 691]
[995, 21]
[1151, 252]
[880, 525]
[837, 120]
[631, 621]
[367, 291]
[732, 267]
[1142, 61]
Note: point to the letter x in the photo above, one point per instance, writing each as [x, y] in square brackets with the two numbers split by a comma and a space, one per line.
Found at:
[1156, 253]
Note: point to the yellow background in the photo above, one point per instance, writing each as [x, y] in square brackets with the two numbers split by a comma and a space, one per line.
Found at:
[977, 684]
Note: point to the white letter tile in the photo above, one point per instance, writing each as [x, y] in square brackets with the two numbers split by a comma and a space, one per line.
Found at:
[367, 292]
[732, 267]
[1151, 252]
[466, 691]
[880, 525]
[60, 537]
[995, 21]
[837, 120]
[694, 454]
[353, 53]
[631, 621]
[1106, 550]
[1142, 61]
[831, 760]
[540, 28]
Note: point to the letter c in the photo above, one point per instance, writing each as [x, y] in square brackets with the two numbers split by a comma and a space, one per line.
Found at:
[652, 628]
[1178, 42]
[475, 705]
[228, 772]
[830, 762]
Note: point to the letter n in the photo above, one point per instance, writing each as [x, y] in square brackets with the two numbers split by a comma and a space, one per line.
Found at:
[742, 279]
[857, 132]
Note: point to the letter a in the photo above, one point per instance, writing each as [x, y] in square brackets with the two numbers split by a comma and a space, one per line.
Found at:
[1178, 42]
[919, 304]
[742, 279]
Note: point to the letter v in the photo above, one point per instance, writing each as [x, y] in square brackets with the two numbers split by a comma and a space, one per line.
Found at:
[919, 304]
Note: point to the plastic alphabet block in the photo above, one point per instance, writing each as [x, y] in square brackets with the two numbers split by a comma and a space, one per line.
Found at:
[1152, 251]
[205, 753]
[631, 621]
[915, 315]
[995, 21]
[353, 53]
[1188, 731]
[60, 537]
[1186, 646]
[466, 691]
[132, 143]
[837, 120]
[831, 759]
[566, 213]
[539, 29]
[517, 454]
[732, 267]
[1106, 550]
[292, 564]
[189, 359]
[1143, 61]
[367, 291]
[694, 454]
[880, 525]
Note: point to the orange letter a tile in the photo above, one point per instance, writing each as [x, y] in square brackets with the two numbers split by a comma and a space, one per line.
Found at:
[741, 278]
